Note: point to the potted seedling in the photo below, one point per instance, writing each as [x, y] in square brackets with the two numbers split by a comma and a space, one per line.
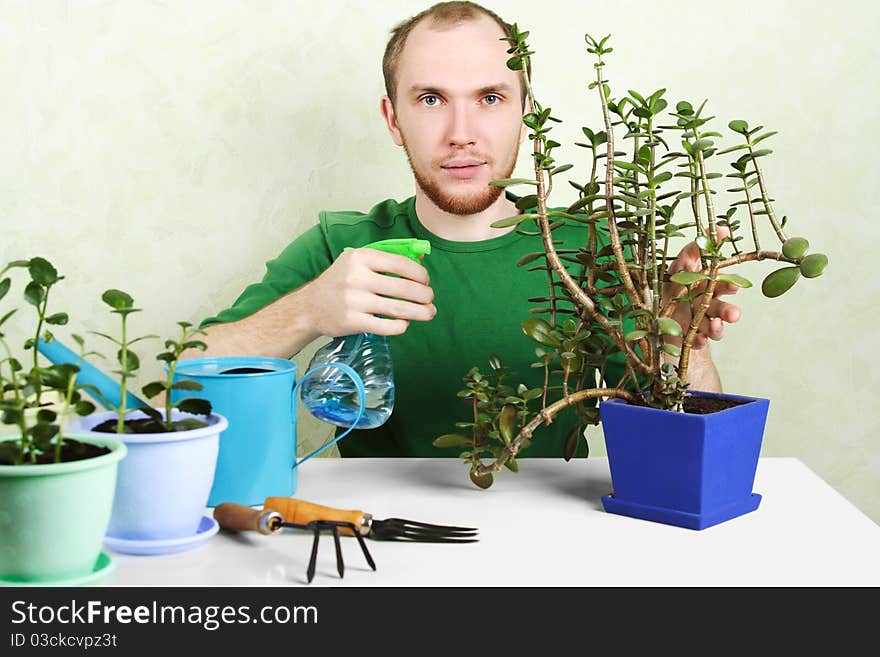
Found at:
[56, 486]
[164, 482]
[676, 455]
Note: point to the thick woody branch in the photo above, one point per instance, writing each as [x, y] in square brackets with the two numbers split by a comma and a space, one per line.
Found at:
[546, 416]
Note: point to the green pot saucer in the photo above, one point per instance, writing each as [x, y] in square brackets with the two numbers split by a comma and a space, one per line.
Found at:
[103, 567]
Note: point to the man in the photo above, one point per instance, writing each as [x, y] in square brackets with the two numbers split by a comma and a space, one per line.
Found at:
[456, 109]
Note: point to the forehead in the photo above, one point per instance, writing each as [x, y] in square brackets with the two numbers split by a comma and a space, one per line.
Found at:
[468, 55]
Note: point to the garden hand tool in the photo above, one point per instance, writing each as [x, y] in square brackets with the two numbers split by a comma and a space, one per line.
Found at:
[360, 523]
[237, 517]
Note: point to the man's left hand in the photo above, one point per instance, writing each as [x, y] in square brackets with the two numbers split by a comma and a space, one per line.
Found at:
[719, 312]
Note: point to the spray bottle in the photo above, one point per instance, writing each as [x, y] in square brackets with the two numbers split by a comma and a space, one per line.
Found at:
[329, 394]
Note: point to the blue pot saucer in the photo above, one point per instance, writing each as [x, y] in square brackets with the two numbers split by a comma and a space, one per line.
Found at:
[207, 528]
[104, 565]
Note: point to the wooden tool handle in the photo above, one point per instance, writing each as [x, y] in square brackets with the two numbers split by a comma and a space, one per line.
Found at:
[302, 512]
[240, 518]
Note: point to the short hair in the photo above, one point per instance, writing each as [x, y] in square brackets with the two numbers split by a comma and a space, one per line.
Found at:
[442, 15]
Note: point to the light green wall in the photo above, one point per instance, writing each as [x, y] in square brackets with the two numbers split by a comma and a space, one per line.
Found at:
[169, 149]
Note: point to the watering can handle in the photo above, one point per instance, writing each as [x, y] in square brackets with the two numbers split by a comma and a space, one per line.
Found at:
[362, 398]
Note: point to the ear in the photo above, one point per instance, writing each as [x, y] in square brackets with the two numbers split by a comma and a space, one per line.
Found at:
[390, 117]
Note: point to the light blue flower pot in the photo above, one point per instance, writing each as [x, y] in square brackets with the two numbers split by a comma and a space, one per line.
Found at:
[164, 481]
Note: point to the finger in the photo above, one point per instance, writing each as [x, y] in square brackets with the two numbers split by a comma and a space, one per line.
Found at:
[382, 326]
[688, 259]
[723, 311]
[722, 288]
[400, 309]
[711, 328]
[401, 288]
[392, 263]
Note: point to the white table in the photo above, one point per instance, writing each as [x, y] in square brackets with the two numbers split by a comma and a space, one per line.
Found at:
[549, 522]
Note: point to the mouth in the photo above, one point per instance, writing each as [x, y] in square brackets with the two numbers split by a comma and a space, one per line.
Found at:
[463, 169]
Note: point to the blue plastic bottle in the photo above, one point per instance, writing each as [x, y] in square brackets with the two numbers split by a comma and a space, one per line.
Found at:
[330, 395]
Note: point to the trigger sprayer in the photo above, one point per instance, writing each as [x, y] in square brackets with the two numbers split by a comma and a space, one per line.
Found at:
[329, 394]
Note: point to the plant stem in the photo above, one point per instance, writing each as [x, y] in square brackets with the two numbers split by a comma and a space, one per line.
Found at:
[619, 258]
[766, 199]
[122, 410]
[546, 415]
[576, 291]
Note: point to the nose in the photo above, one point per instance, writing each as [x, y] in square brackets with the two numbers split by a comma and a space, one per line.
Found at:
[462, 124]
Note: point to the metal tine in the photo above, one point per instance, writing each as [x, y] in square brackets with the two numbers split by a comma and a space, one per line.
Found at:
[340, 567]
[310, 573]
[397, 526]
[403, 533]
[415, 523]
[363, 545]
[357, 534]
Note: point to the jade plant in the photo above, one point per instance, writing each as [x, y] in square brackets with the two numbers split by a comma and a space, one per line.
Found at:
[613, 296]
[39, 423]
[122, 304]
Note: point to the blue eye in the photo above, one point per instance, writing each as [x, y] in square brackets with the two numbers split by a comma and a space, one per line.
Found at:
[430, 101]
[494, 99]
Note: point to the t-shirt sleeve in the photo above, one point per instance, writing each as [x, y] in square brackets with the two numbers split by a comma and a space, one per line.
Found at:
[300, 262]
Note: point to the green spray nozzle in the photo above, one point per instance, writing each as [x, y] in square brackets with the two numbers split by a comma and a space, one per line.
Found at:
[410, 247]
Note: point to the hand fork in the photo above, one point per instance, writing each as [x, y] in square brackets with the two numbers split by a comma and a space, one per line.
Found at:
[237, 517]
[364, 524]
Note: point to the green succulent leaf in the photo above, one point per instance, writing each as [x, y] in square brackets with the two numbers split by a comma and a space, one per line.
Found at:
[152, 389]
[128, 359]
[42, 272]
[813, 265]
[34, 293]
[671, 349]
[688, 278]
[668, 326]
[507, 422]
[540, 331]
[83, 408]
[507, 182]
[482, 482]
[736, 279]
[187, 424]
[795, 247]
[194, 405]
[780, 281]
[58, 319]
[186, 384]
[117, 299]
[513, 221]
[452, 440]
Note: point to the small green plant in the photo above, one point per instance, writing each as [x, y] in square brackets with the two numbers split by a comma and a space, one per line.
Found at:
[40, 424]
[614, 295]
[193, 405]
[122, 304]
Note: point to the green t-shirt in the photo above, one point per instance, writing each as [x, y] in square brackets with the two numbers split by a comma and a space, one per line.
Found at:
[481, 297]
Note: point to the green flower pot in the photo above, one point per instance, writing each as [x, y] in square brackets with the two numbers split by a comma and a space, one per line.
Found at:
[53, 517]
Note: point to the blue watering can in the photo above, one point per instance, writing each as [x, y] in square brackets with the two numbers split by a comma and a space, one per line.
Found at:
[257, 395]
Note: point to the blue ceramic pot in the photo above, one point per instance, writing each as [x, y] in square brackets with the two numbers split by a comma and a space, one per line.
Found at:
[683, 469]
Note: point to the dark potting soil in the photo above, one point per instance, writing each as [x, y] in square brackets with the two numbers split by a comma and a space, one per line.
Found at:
[140, 425]
[71, 450]
[705, 405]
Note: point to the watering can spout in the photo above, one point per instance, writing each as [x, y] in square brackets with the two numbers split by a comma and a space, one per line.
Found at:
[110, 396]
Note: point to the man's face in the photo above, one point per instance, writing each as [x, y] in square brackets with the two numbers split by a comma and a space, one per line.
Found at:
[458, 113]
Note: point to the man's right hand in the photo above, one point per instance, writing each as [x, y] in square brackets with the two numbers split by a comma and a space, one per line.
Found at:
[349, 295]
